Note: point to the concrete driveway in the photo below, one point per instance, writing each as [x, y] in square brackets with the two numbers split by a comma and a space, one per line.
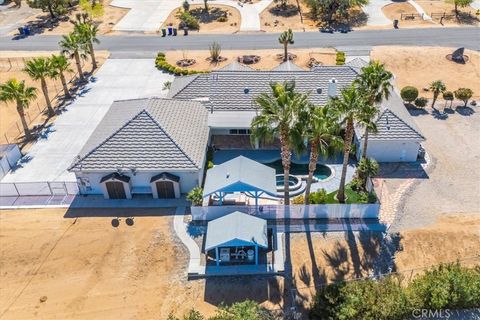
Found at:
[451, 184]
[117, 79]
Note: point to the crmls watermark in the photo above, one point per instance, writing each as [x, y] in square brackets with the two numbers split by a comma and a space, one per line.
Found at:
[431, 314]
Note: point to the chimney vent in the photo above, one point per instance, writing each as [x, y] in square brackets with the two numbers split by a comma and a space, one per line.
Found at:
[332, 87]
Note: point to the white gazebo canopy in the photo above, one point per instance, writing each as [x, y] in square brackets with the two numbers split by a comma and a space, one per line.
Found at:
[236, 229]
[240, 175]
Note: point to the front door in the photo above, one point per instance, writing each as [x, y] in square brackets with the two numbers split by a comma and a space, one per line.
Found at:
[165, 189]
[116, 190]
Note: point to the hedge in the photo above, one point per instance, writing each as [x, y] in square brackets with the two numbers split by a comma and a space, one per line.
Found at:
[340, 58]
[162, 64]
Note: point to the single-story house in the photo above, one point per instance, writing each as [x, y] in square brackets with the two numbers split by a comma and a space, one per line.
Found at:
[145, 146]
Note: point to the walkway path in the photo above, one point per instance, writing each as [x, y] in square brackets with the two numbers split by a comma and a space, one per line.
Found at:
[117, 79]
[420, 10]
[149, 15]
[375, 14]
[475, 4]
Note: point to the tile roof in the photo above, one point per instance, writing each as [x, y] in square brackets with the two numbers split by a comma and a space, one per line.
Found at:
[147, 134]
[236, 66]
[225, 90]
[287, 66]
[357, 64]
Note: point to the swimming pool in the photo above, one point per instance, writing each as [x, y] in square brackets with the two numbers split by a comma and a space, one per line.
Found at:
[321, 173]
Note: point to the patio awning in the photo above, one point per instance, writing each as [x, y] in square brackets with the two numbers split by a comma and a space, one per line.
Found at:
[240, 175]
[236, 229]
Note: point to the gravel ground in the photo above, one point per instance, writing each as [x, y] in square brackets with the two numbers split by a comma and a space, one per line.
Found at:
[453, 183]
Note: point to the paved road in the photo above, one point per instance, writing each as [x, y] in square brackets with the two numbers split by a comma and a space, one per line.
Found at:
[132, 46]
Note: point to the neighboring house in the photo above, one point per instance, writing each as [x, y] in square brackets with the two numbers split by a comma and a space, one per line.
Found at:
[9, 155]
[145, 146]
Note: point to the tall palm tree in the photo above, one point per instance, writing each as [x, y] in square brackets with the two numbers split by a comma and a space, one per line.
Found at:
[348, 105]
[277, 118]
[87, 32]
[375, 82]
[366, 119]
[437, 87]
[286, 38]
[40, 69]
[73, 47]
[321, 128]
[367, 167]
[18, 92]
[61, 65]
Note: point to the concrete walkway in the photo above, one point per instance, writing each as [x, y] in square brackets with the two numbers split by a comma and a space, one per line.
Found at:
[11, 17]
[117, 79]
[375, 14]
[149, 15]
[475, 4]
[420, 10]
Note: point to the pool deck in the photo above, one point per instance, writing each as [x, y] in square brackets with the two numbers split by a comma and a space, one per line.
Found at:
[266, 156]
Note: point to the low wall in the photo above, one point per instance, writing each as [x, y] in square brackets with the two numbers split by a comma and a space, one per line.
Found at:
[50, 188]
[275, 212]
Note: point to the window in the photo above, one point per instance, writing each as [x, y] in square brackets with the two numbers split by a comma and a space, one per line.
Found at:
[240, 131]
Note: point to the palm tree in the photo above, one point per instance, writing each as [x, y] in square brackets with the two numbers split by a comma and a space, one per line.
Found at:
[375, 82]
[321, 127]
[437, 87]
[286, 38]
[40, 69]
[72, 46]
[61, 65]
[367, 167]
[277, 117]
[16, 91]
[366, 119]
[349, 106]
[87, 32]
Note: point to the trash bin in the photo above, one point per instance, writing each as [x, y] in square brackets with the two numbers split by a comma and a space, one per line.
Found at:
[26, 31]
[164, 32]
[170, 30]
[395, 23]
[250, 255]
[175, 31]
[20, 30]
[185, 31]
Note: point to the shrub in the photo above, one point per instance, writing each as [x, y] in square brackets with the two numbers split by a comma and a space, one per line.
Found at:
[409, 94]
[195, 196]
[210, 164]
[448, 286]
[188, 20]
[162, 64]
[463, 94]
[186, 6]
[298, 200]
[421, 102]
[356, 184]
[215, 50]
[318, 197]
[222, 19]
[242, 311]
[340, 58]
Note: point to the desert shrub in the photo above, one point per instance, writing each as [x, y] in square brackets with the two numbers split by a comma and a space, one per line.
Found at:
[340, 58]
[210, 164]
[299, 200]
[222, 19]
[448, 286]
[421, 102]
[318, 197]
[448, 95]
[463, 94]
[241, 311]
[188, 20]
[356, 184]
[409, 94]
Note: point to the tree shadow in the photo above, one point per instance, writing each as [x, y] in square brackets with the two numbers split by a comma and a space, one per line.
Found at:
[402, 170]
[212, 15]
[79, 212]
[465, 111]
[40, 25]
[414, 111]
[287, 11]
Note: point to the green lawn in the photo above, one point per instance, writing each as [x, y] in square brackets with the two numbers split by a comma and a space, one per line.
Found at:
[352, 196]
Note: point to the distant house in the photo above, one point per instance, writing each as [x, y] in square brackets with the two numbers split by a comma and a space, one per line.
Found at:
[145, 146]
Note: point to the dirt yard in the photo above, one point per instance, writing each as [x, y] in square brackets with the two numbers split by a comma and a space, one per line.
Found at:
[274, 19]
[208, 22]
[105, 23]
[419, 66]
[453, 237]
[395, 10]
[268, 60]
[11, 65]
[467, 15]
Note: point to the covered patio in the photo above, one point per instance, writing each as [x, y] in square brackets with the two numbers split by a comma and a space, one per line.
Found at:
[237, 239]
[239, 175]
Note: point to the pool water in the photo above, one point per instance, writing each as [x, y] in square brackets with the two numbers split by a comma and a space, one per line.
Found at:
[292, 181]
[321, 173]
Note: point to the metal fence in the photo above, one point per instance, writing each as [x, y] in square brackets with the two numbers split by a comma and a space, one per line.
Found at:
[275, 212]
[47, 188]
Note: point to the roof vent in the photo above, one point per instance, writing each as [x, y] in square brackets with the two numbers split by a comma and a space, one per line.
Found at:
[319, 90]
[246, 90]
[388, 124]
[332, 87]
[228, 175]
